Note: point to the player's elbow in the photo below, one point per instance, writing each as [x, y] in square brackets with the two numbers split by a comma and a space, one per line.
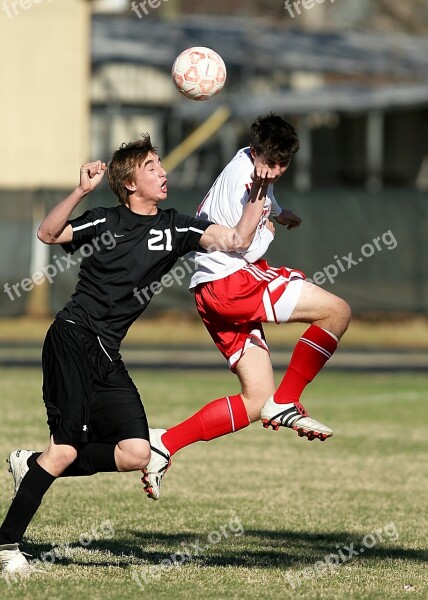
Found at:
[44, 236]
[241, 242]
[226, 239]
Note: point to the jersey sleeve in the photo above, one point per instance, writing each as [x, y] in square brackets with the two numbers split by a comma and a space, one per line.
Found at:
[276, 209]
[259, 247]
[85, 228]
[189, 231]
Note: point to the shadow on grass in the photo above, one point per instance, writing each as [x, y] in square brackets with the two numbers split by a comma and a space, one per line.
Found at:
[256, 548]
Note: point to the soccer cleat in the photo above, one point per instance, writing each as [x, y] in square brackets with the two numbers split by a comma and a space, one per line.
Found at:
[18, 465]
[158, 465]
[13, 562]
[294, 416]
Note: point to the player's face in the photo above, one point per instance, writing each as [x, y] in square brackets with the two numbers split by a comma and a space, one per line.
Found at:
[276, 170]
[149, 182]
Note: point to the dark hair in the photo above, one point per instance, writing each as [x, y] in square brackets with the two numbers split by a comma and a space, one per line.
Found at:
[274, 138]
[122, 166]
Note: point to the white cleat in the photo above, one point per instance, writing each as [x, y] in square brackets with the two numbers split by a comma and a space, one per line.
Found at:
[294, 416]
[18, 465]
[158, 465]
[13, 563]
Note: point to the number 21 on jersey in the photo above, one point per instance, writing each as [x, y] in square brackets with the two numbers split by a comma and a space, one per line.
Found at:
[161, 239]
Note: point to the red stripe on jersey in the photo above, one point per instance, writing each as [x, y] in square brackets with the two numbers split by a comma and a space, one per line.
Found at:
[199, 209]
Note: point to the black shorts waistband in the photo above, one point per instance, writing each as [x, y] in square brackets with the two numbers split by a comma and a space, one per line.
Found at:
[112, 353]
[75, 325]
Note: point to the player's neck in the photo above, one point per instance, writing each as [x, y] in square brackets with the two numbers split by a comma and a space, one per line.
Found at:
[142, 206]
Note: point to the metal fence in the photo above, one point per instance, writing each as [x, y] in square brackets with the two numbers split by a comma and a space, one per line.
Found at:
[371, 249]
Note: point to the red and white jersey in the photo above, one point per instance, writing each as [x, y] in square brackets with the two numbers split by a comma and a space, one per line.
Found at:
[224, 205]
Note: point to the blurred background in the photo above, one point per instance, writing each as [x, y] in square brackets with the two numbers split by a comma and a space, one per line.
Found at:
[78, 78]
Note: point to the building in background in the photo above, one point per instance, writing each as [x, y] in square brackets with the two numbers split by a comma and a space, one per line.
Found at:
[353, 78]
[45, 109]
[45, 129]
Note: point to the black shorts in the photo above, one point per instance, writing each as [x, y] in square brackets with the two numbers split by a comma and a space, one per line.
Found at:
[88, 393]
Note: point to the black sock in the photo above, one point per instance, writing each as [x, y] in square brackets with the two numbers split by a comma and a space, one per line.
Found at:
[28, 498]
[92, 458]
[33, 457]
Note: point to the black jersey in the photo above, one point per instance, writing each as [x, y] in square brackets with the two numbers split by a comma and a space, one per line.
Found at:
[123, 256]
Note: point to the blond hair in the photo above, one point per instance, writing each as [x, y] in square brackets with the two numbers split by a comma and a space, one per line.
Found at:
[125, 160]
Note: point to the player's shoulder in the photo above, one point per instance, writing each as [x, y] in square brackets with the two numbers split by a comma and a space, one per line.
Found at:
[107, 214]
[170, 217]
[168, 214]
[243, 156]
[183, 222]
[239, 169]
[103, 211]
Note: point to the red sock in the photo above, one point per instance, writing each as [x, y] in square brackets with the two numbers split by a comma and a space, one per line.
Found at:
[311, 353]
[215, 419]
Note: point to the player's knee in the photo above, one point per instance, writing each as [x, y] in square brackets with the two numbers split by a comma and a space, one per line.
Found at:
[136, 458]
[343, 314]
[133, 462]
[60, 457]
[254, 403]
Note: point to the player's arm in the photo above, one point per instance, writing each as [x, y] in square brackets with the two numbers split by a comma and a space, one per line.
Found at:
[220, 237]
[55, 229]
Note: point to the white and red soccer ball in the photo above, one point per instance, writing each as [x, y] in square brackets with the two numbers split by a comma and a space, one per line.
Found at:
[199, 73]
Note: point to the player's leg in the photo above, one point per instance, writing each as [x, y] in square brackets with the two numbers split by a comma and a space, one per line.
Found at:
[115, 412]
[329, 316]
[230, 413]
[33, 486]
[34, 477]
[117, 425]
[132, 454]
[63, 393]
[117, 420]
[97, 457]
[255, 374]
[323, 309]
[219, 417]
[112, 411]
[240, 343]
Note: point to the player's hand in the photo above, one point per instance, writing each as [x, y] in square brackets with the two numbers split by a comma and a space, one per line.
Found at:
[263, 174]
[91, 174]
[288, 218]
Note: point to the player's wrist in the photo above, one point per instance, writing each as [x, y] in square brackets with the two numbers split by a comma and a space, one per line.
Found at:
[82, 191]
[258, 191]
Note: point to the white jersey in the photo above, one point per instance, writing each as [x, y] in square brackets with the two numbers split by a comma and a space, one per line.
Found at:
[224, 205]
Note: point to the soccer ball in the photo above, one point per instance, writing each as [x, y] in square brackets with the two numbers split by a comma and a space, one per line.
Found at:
[199, 73]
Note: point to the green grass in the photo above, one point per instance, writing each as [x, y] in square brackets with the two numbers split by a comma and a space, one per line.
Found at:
[297, 501]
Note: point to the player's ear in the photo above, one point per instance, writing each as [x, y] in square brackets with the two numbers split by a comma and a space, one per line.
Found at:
[253, 152]
[130, 186]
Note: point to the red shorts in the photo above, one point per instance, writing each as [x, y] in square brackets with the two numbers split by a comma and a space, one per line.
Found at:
[233, 308]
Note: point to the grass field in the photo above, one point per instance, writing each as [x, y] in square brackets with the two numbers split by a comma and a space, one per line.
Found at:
[257, 513]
